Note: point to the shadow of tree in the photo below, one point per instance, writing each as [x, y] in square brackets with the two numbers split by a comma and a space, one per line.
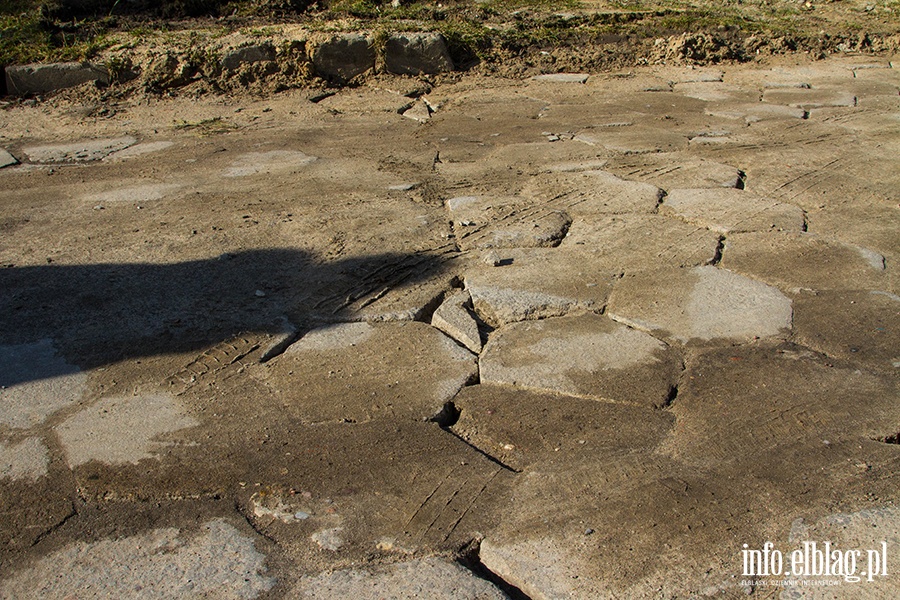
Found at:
[103, 313]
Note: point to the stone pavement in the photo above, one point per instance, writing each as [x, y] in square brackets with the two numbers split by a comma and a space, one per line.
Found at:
[572, 337]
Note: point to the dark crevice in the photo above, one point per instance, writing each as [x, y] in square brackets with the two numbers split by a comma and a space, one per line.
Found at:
[73, 512]
[720, 248]
[448, 415]
[321, 96]
[659, 200]
[805, 226]
[670, 397]
[470, 558]
[241, 510]
[891, 439]
[741, 180]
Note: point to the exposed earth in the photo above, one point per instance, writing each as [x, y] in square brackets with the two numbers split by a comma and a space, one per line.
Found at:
[583, 336]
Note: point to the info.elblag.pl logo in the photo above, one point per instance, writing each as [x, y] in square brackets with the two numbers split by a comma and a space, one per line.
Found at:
[815, 560]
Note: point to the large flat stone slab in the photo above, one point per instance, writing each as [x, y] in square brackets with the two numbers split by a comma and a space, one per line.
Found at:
[593, 192]
[701, 303]
[732, 210]
[641, 242]
[421, 578]
[28, 460]
[537, 283]
[218, 560]
[754, 113]
[633, 140]
[272, 161]
[677, 170]
[809, 98]
[585, 355]
[84, 151]
[22, 80]
[794, 261]
[858, 326]
[344, 367]
[505, 222]
[7, 159]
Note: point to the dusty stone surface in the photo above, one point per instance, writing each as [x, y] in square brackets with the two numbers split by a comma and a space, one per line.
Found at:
[344, 56]
[217, 560]
[453, 318]
[428, 577]
[491, 222]
[77, 152]
[665, 379]
[248, 55]
[6, 159]
[38, 78]
[586, 356]
[417, 53]
[562, 77]
[703, 303]
[732, 210]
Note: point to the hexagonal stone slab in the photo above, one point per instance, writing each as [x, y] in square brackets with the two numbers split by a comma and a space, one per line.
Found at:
[702, 303]
[505, 222]
[859, 326]
[585, 355]
[593, 192]
[431, 577]
[802, 260]
[537, 283]
[732, 210]
[217, 561]
[344, 366]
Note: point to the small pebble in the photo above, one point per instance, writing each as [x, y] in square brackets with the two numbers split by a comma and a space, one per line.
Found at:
[260, 294]
[588, 531]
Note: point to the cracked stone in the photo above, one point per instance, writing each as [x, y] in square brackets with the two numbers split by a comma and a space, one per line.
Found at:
[585, 355]
[121, 430]
[453, 318]
[85, 151]
[677, 170]
[430, 577]
[591, 193]
[26, 460]
[538, 283]
[344, 365]
[481, 222]
[702, 303]
[217, 561]
[36, 382]
[802, 260]
[273, 161]
[732, 210]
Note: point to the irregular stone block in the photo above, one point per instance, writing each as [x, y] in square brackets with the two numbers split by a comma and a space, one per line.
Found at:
[562, 77]
[85, 151]
[344, 56]
[36, 78]
[247, 55]
[678, 170]
[753, 113]
[703, 303]
[732, 210]
[417, 53]
[505, 222]
[426, 577]
[586, 356]
[809, 98]
[453, 318]
[593, 192]
[6, 159]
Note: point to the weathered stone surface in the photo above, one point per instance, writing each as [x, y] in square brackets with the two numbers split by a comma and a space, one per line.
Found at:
[422, 578]
[121, 430]
[139, 150]
[585, 355]
[562, 77]
[85, 151]
[6, 159]
[641, 242]
[344, 56]
[505, 222]
[537, 283]
[632, 140]
[418, 112]
[35, 382]
[238, 57]
[26, 460]
[591, 193]
[345, 365]
[714, 91]
[416, 53]
[219, 560]
[37, 79]
[793, 261]
[273, 161]
[702, 303]
[676, 170]
[140, 193]
[809, 98]
[453, 318]
[732, 210]
[754, 113]
[859, 326]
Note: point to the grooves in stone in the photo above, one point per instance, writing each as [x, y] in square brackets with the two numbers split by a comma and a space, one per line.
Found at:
[470, 558]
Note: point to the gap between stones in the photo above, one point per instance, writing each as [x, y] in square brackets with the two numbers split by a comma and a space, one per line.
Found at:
[470, 559]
